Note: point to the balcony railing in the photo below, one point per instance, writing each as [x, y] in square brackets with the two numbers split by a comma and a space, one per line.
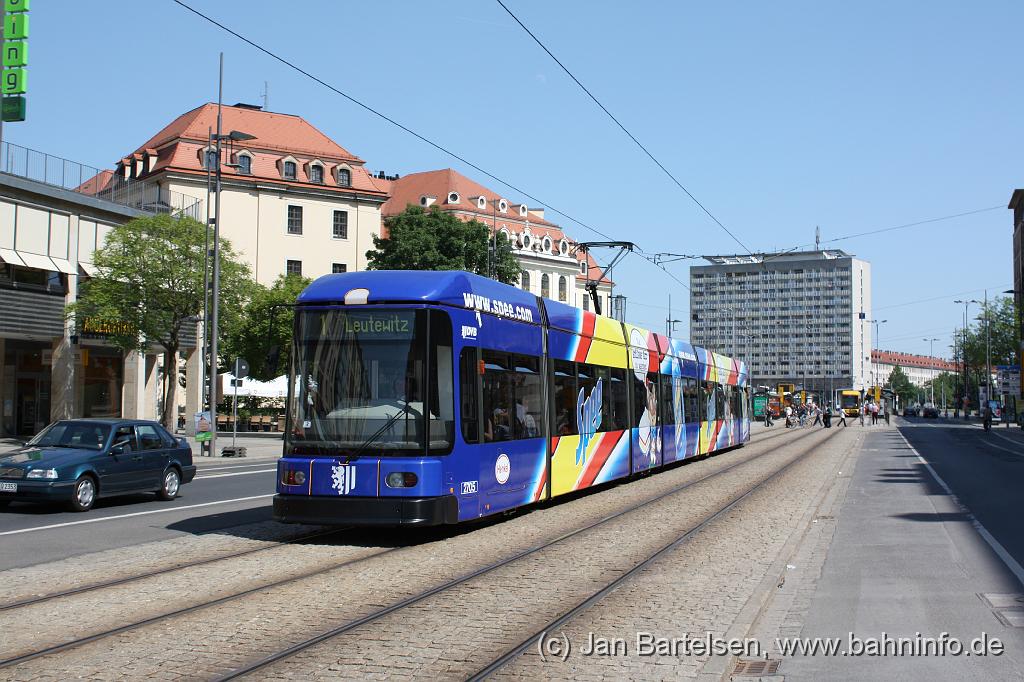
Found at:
[95, 182]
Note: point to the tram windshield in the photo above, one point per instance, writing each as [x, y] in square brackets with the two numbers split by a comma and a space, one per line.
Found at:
[371, 381]
[849, 399]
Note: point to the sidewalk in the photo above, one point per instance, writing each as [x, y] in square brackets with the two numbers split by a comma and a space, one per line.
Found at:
[905, 560]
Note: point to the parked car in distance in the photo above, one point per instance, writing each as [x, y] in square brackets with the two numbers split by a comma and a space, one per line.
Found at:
[909, 411]
[77, 461]
[930, 411]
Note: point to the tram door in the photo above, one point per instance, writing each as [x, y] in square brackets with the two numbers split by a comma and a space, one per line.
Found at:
[512, 449]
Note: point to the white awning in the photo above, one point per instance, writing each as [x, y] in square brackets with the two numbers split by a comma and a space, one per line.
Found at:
[10, 256]
[88, 268]
[35, 260]
[64, 266]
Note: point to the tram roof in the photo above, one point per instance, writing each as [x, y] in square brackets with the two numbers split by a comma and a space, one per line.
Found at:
[448, 287]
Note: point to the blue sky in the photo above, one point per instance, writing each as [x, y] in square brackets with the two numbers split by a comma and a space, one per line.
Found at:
[777, 116]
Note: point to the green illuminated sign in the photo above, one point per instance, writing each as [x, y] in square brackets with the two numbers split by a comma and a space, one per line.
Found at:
[15, 53]
[15, 82]
[16, 26]
[14, 77]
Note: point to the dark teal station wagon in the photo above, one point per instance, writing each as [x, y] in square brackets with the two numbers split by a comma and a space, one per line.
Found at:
[77, 461]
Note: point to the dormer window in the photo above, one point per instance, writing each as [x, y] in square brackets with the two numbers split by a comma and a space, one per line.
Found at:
[547, 244]
[503, 206]
[316, 174]
[583, 267]
[523, 210]
[245, 164]
[344, 177]
[290, 168]
[210, 159]
[481, 202]
[453, 197]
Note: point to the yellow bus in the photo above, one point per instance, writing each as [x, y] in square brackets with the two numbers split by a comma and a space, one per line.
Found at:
[849, 402]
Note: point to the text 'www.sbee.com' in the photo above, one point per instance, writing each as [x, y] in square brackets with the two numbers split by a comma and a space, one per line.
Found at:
[559, 646]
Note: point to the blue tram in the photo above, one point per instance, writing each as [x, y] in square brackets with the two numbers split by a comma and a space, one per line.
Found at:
[438, 397]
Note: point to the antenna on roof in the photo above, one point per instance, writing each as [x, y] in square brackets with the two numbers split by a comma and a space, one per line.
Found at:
[266, 96]
[817, 238]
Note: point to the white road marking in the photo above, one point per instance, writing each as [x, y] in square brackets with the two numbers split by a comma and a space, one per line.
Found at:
[125, 516]
[231, 468]
[237, 473]
[1011, 441]
[998, 548]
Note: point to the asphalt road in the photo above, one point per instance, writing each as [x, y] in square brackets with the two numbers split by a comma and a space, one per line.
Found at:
[984, 470]
[224, 493]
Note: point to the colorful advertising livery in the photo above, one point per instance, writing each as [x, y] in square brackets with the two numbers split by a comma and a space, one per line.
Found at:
[439, 397]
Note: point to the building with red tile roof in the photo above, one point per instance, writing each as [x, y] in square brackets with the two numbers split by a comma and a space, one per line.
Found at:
[292, 199]
[552, 266]
[920, 369]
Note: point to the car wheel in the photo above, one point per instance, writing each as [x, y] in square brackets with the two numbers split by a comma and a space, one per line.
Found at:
[172, 481]
[84, 494]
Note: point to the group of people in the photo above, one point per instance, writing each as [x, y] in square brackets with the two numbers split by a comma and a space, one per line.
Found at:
[800, 415]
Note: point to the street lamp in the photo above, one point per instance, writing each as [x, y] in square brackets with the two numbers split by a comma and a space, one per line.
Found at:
[967, 376]
[874, 365]
[234, 136]
[931, 364]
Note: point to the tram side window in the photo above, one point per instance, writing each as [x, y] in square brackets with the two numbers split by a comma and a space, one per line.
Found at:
[727, 403]
[645, 401]
[497, 396]
[529, 421]
[617, 400]
[563, 398]
[691, 401]
[586, 381]
[710, 405]
[720, 400]
[468, 395]
[668, 398]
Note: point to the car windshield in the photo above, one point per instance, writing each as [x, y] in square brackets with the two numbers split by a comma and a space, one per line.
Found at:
[88, 435]
[379, 377]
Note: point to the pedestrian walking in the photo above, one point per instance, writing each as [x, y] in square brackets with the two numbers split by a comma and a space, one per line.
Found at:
[873, 406]
[789, 416]
[817, 416]
[826, 416]
[861, 411]
[842, 418]
[887, 414]
[767, 415]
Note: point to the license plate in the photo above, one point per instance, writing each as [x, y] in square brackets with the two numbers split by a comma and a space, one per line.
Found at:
[8, 487]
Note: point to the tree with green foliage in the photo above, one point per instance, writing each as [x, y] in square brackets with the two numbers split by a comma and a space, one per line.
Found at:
[432, 239]
[900, 384]
[1002, 318]
[149, 289]
[267, 323]
[946, 384]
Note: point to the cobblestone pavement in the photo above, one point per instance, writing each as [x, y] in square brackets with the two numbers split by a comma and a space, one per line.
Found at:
[228, 635]
[458, 631]
[701, 587]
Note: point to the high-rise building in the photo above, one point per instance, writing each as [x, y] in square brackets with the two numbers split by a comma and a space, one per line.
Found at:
[800, 318]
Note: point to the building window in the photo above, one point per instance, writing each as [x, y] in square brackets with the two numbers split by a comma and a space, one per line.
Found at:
[289, 170]
[293, 267]
[316, 174]
[245, 164]
[562, 289]
[526, 280]
[211, 159]
[545, 286]
[344, 177]
[586, 301]
[294, 220]
[341, 224]
[338, 267]
[583, 267]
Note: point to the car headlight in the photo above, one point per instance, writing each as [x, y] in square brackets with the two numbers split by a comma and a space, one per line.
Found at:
[49, 474]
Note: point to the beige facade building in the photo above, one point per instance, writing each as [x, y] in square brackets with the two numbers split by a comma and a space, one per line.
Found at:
[292, 199]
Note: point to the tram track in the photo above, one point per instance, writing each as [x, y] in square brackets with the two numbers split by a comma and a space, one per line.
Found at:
[307, 644]
[266, 587]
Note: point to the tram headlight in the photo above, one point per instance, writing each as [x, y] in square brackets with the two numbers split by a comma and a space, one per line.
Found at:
[293, 477]
[402, 479]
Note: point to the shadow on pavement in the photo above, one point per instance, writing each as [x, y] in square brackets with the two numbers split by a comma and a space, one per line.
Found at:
[933, 517]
